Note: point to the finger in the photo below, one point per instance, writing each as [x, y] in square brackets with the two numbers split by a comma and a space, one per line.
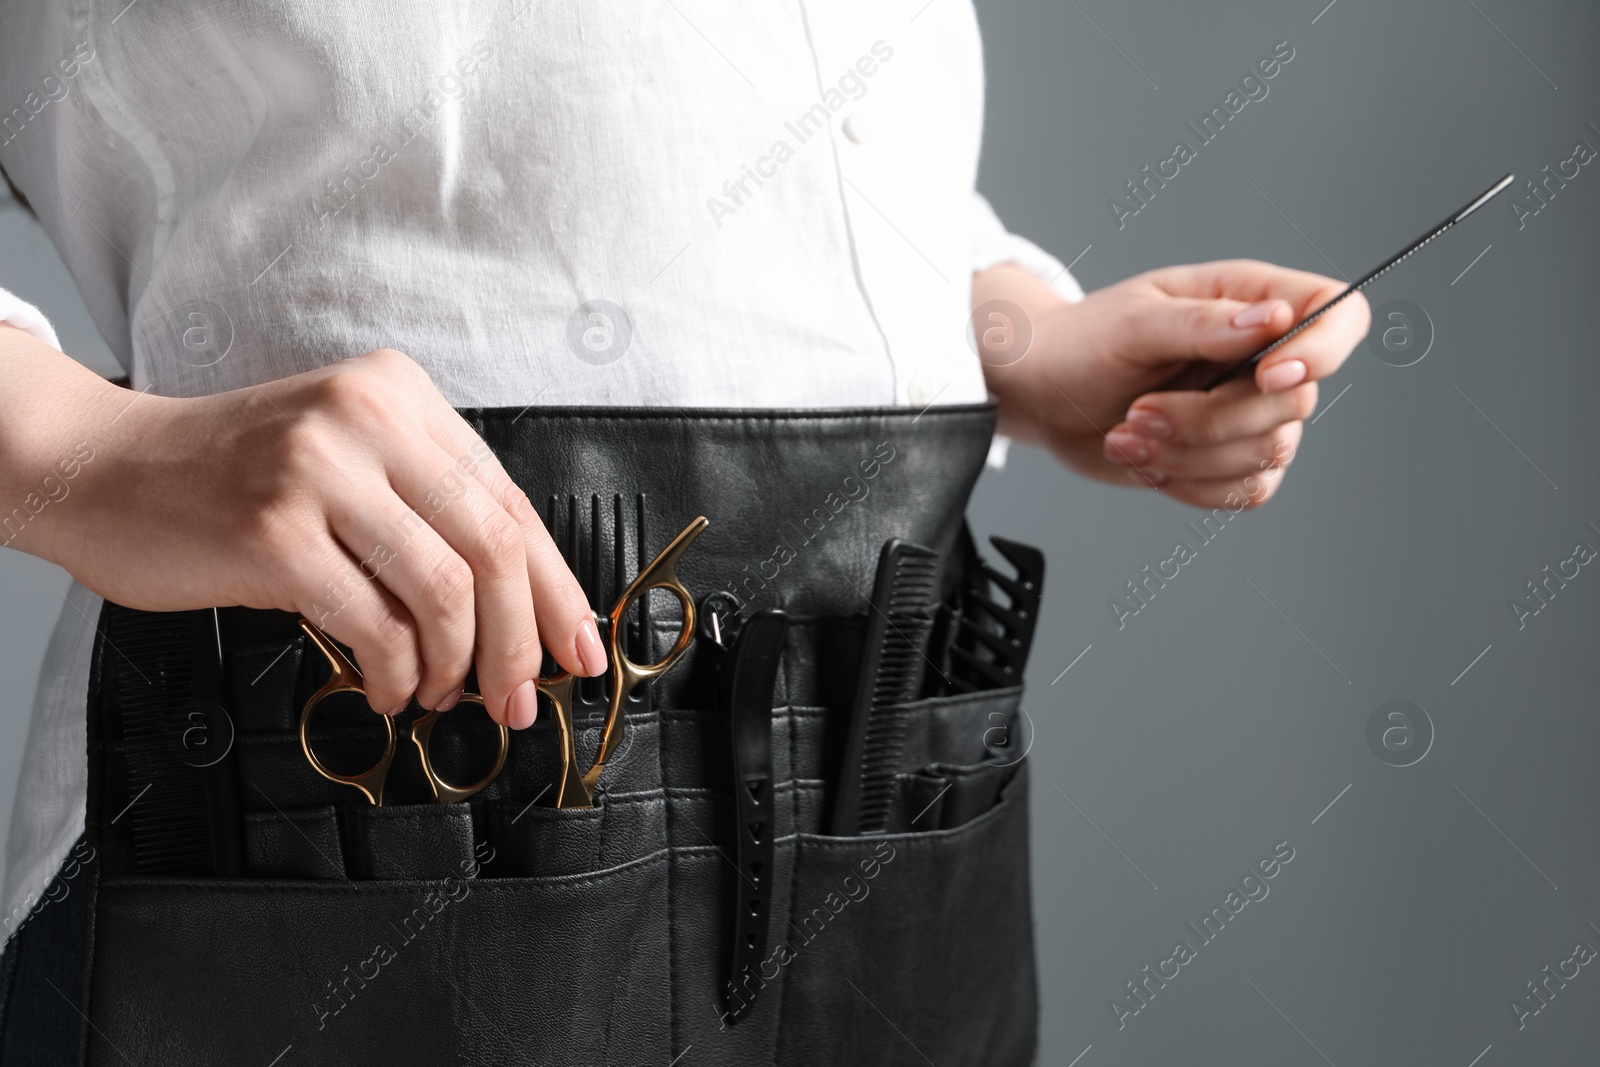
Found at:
[1231, 411]
[1231, 459]
[1214, 330]
[337, 598]
[1249, 281]
[402, 553]
[1320, 349]
[478, 530]
[1231, 494]
[566, 623]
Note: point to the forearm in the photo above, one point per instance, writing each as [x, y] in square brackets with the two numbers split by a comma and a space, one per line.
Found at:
[54, 418]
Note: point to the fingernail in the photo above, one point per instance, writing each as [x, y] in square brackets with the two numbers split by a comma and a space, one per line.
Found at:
[1149, 424]
[1256, 314]
[1150, 477]
[398, 708]
[1281, 376]
[591, 653]
[523, 707]
[451, 701]
[1124, 447]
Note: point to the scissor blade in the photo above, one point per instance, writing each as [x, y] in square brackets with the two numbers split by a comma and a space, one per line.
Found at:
[571, 792]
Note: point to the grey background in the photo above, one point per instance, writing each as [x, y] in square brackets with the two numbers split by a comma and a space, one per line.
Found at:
[1226, 716]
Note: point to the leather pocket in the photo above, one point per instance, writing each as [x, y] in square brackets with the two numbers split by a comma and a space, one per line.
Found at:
[963, 730]
[913, 941]
[475, 971]
[529, 840]
[293, 843]
[408, 841]
[942, 796]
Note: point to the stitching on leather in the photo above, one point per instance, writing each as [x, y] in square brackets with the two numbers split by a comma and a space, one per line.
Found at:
[447, 815]
[799, 417]
[1007, 803]
[712, 792]
[637, 796]
[387, 887]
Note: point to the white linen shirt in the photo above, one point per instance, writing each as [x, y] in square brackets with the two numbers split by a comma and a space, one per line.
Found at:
[697, 203]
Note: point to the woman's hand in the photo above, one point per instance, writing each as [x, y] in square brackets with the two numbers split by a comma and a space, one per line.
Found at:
[1091, 386]
[353, 495]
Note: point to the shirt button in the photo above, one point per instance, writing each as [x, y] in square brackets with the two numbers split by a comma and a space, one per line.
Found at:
[855, 128]
[917, 393]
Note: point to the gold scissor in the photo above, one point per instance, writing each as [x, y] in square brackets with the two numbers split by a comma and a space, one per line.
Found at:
[573, 790]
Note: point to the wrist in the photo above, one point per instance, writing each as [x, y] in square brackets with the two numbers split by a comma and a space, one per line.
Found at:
[1025, 389]
[55, 422]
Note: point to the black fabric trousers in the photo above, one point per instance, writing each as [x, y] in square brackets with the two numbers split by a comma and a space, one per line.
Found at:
[503, 930]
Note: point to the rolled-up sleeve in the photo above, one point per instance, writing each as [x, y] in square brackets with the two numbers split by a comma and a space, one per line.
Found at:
[993, 244]
[14, 311]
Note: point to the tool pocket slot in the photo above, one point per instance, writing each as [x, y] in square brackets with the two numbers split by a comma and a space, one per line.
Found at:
[736, 1015]
[529, 840]
[533, 841]
[563, 970]
[943, 796]
[408, 841]
[293, 843]
[965, 730]
[932, 930]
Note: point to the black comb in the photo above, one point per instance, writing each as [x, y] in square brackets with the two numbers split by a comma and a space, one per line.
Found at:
[992, 639]
[604, 554]
[905, 596]
[182, 799]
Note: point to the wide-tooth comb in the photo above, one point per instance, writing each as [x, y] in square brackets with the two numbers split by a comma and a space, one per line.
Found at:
[993, 639]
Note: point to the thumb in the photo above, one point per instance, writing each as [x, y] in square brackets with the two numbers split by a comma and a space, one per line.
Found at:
[1217, 331]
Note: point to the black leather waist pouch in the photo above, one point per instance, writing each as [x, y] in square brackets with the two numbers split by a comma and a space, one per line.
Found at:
[503, 930]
